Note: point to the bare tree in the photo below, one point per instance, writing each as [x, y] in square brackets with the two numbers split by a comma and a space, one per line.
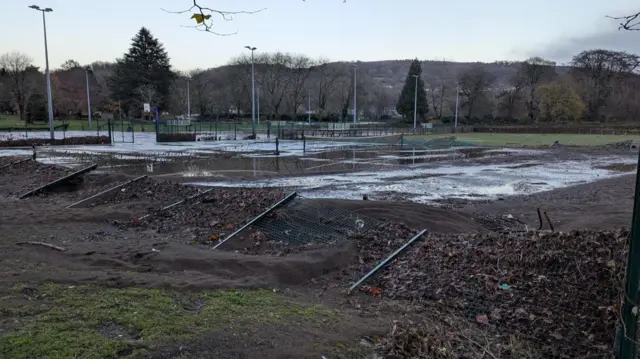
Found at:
[325, 77]
[535, 71]
[474, 83]
[509, 97]
[147, 94]
[438, 82]
[597, 72]
[299, 70]
[16, 65]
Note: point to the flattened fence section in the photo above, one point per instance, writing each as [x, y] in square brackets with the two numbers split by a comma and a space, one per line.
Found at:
[304, 221]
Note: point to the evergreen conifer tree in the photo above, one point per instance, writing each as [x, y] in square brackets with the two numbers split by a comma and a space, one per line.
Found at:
[406, 101]
[144, 68]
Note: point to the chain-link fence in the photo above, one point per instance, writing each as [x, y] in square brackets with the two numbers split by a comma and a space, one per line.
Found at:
[302, 222]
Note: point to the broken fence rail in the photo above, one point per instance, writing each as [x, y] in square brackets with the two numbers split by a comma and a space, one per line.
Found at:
[58, 181]
[387, 260]
[14, 163]
[283, 201]
[107, 191]
[176, 204]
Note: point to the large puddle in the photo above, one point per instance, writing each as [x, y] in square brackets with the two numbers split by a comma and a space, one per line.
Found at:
[434, 183]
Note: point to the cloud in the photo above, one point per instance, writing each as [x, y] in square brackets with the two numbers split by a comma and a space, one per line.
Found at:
[563, 50]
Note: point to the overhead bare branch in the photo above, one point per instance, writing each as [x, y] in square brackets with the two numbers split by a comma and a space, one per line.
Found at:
[205, 17]
[629, 22]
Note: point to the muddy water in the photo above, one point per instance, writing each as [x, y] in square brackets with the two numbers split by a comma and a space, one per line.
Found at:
[262, 164]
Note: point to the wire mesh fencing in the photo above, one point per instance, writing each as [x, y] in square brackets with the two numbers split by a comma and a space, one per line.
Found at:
[305, 222]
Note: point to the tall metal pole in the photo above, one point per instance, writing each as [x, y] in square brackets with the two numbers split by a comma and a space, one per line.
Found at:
[415, 105]
[86, 72]
[309, 112]
[258, 105]
[355, 92]
[457, 104]
[253, 91]
[188, 99]
[47, 73]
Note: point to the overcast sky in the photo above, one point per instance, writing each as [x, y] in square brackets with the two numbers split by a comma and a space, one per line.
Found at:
[457, 30]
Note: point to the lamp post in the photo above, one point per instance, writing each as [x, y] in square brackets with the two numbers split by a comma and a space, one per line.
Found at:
[47, 73]
[258, 105]
[415, 105]
[86, 74]
[253, 91]
[189, 99]
[355, 92]
[309, 112]
[455, 123]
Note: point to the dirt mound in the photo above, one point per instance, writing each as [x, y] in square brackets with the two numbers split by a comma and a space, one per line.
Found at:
[216, 213]
[147, 195]
[159, 265]
[29, 175]
[414, 215]
[559, 292]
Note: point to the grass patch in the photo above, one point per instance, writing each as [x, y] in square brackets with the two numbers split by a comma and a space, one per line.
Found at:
[529, 140]
[92, 322]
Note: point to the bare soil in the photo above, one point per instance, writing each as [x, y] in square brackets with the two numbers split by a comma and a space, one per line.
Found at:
[106, 245]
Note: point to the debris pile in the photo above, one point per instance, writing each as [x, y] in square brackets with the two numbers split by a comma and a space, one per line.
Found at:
[29, 175]
[214, 215]
[559, 292]
[156, 193]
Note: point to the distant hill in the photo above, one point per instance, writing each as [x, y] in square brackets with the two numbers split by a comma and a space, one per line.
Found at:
[393, 72]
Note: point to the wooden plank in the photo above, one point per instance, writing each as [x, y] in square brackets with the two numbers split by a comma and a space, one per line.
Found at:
[107, 191]
[15, 163]
[58, 181]
[288, 198]
[177, 203]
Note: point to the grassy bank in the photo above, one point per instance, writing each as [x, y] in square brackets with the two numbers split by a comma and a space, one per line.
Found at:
[73, 124]
[517, 139]
[61, 321]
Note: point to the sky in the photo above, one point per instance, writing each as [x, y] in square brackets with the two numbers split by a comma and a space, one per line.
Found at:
[362, 30]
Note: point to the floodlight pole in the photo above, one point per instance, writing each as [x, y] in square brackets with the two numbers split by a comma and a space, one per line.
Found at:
[86, 73]
[455, 124]
[253, 91]
[415, 105]
[189, 99]
[355, 92]
[47, 73]
[309, 114]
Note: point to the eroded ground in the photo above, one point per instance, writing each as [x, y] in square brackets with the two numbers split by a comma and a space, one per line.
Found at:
[157, 289]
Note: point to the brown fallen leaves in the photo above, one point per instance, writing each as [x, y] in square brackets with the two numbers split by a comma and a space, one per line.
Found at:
[556, 292]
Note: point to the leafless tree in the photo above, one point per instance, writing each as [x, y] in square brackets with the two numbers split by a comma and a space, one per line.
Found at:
[597, 72]
[147, 94]
[323, 83]
[299, 71]
[438, 82]
[16, 65]
[535, 71]
[512, 95]
[474, 84]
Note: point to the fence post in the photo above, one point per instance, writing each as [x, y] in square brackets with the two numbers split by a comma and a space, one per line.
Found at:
[627, 334]
[235, 127]
[277, 147]
[304, 143]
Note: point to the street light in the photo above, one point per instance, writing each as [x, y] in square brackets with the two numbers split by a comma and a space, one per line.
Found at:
[355, 91]
[253, 91]
[309, 114]
[415, 105]
[455, 124]
[47, 74]
[188, 99]
[86, 74]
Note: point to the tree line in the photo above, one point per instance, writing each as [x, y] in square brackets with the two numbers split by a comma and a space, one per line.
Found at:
[598, 85]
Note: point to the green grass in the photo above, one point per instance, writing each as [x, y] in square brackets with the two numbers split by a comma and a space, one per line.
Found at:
[508, 139]
[7, 121]
[64, 321]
